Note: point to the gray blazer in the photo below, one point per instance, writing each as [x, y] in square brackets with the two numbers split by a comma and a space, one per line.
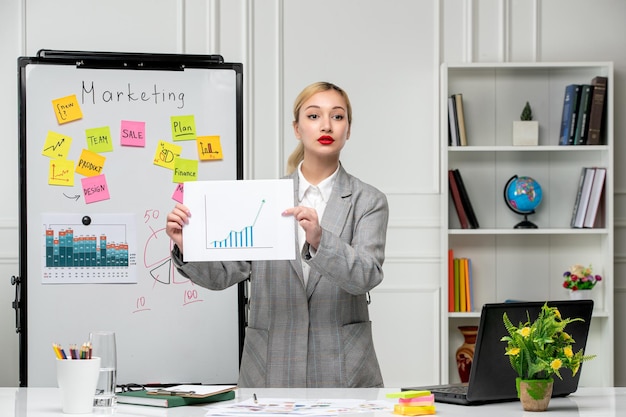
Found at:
[318, 336]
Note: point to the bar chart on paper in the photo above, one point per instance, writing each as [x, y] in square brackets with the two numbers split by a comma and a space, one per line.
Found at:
[243, 238]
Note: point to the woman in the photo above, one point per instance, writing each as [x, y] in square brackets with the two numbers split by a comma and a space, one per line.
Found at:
[309, 322]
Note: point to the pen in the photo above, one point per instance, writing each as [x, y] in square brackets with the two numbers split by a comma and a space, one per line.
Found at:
[255, 398]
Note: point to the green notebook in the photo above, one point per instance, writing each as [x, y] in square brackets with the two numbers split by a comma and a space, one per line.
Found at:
[142, 398]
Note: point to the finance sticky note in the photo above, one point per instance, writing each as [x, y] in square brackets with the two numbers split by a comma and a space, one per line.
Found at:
[95, 188]
[66, 109]
[56, 146]
[99, 139]
[178, 192]
[209, 148]
[133, 133]
[90, 163]
[61, 172]
[185, 170]
[166, 153]
[183, 128]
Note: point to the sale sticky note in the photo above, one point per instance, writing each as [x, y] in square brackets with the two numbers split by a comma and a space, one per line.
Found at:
[56, 146]
[66, 109]
[95, 188]
[178, 192]
[209, 148]
[185, 170]
[183, 127]
[90, 163]
[133, 133]
[61, 172]
[99, 139]
[166, 153]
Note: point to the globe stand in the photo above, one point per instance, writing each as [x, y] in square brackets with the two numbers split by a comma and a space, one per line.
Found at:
[526, 190]
[526, 224]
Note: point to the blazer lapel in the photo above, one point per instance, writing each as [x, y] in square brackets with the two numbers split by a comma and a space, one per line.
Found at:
[296, 264]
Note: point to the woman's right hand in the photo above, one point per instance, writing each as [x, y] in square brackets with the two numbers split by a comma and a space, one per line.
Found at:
[176, 220]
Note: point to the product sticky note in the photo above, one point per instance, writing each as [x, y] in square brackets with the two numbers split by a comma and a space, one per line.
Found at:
[66, 109]
[90, 163]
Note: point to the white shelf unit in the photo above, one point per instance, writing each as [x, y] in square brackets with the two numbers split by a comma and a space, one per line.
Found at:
[524, 264]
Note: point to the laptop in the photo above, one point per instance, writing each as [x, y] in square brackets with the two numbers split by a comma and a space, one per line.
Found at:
[492, 379]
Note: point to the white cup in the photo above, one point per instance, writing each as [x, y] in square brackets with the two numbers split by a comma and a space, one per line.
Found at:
[103, 346]
[77, 379]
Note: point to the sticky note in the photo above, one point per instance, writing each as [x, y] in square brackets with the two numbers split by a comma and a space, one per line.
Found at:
[408, 394]
[425, 400]
[57, 145]
[166, 153]
[178, 192]
[183, 128]
[133, 133]
[209, 148]
[61, 172]
[413, 411]
[90, 163]
[66, 109]
[95, 188]
[99, 139]
[185, 170]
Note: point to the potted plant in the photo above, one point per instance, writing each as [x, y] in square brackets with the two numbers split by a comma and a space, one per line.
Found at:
[538, 350]
[526, 130]
[579, 280]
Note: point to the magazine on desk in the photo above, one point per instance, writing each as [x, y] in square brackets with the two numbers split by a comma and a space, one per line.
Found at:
[178, 395]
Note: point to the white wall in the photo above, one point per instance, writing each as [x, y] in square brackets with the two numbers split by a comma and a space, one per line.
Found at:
[386, 54]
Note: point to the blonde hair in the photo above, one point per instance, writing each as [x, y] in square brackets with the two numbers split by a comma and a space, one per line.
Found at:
[298, 154]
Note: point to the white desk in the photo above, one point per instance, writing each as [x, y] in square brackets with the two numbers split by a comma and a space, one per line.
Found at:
[591, 402]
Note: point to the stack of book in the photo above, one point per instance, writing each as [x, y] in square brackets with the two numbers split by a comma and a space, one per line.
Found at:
[586, 213]
[461, 200]
[460, 294]
[456, 121]
[583, 118]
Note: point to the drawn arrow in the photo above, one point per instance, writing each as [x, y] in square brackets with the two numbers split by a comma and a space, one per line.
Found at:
[76, 197]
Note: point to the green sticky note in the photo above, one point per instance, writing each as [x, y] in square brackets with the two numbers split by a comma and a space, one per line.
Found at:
[183, 128]
[185, 170]
[99, 139]
[408, 394]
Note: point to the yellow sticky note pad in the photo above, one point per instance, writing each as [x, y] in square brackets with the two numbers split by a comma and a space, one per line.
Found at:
[183, 128]
[57, 146]
[185, 170]
[61, 172]
[413, 411]
[166, 153]
[209, 148]
[408, 394]
[90, 163]
[66, 109]
[99, 139]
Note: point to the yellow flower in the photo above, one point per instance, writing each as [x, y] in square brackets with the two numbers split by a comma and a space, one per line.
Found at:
[556, 364]
[557, 313]
[524, 331]
[513, 351]
[568, 351]
[566, 336]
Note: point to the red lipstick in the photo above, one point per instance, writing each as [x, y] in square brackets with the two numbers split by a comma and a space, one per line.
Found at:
[325, 140]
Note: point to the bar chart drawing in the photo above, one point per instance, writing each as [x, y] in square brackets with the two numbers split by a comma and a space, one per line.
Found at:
[239, 239]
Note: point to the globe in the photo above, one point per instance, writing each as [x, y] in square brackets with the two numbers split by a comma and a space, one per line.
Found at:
[522, 195]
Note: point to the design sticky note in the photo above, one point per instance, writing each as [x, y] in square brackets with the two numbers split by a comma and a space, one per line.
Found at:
[166, 153]
[185, 170]
[209, 148]
[183, 128]
[90, 163]
[99, 139]
[95, 188]
[133, 133]
[66, 109]
[61, 172]
[57, 146]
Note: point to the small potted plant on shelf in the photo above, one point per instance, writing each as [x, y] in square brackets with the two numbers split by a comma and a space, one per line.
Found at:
[526, 130]
[580, 280]
[538, 350]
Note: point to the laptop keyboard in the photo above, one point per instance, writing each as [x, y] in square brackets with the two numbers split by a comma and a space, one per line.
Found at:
[454, 389]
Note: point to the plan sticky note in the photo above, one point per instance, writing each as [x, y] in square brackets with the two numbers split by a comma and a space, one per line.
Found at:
[183, 128]
[185, 170]
[99, 139]
[95, 188]
[209, 148]
[133, 133]
[166, 153]
[90, 163]
[61, 172]
[56, 146]
[66, 109]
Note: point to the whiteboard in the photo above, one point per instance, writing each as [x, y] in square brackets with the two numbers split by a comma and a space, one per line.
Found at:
[168, 329]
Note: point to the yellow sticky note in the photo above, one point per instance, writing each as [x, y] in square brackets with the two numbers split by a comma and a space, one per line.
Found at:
[185, 170]
[61, 172]
[166, 154]
[99, 139]
[66, 109]
[408, 394]
[57, 146]
[90, 163]
[183, 127]
[209, 148]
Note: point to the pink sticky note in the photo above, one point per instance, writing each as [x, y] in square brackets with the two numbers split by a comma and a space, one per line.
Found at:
[178, 192]
[133, 133]
[95, 188]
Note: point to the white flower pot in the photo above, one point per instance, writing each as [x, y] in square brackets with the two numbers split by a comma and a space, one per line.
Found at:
[526, 133]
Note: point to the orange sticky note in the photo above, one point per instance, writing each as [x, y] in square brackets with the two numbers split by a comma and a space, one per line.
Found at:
[183, 127]
[209, 148]
[61, 172]
[90, 163]
[56, 146]
[166, 153]
[99, 139]
[66, 109]
[185, 170]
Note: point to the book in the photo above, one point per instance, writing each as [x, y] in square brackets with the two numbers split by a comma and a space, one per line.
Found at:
[462, 286]
[568, 118]
[596, 114]
[453, 127]
[460, 118]
[582, 197]
[143, 398]
[582, 120]
[457, 286]
[470, 284]
[467, 204]
[594, 198]
[456, 200]
[450, 280]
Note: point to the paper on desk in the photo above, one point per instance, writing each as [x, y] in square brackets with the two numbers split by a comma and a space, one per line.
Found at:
[276, 407]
